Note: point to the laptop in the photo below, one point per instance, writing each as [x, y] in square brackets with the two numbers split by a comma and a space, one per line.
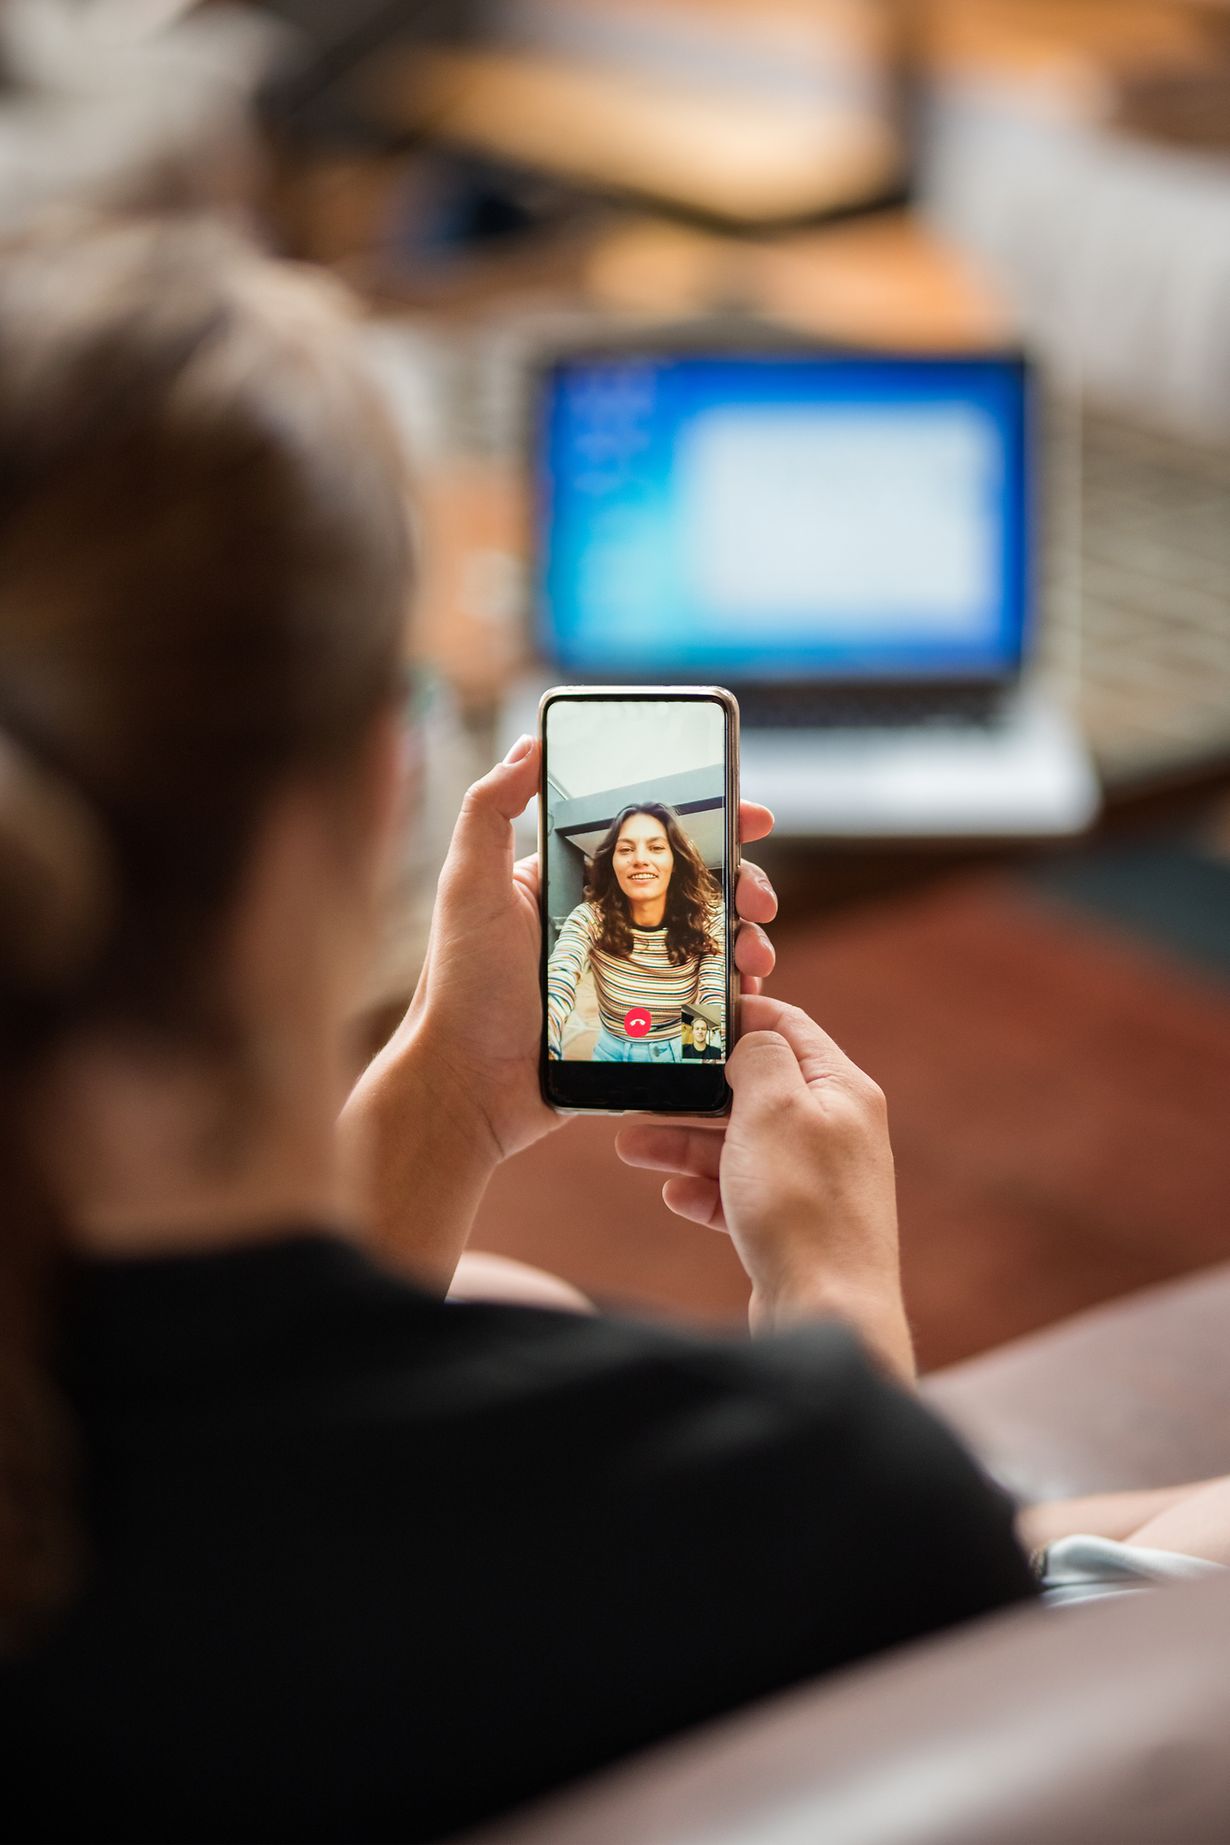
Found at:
[846, 540]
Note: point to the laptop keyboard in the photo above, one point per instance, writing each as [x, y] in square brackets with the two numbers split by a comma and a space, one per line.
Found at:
[810, 708]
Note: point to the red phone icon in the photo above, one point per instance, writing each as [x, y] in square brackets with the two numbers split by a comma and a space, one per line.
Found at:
[637, 1021]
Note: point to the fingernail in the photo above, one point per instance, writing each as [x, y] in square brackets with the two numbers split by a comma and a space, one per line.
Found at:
[520, 749]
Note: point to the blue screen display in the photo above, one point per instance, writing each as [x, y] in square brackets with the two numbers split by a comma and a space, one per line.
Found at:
[761, 517]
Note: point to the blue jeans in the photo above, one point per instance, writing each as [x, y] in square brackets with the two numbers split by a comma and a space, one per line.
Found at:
[610, 1049]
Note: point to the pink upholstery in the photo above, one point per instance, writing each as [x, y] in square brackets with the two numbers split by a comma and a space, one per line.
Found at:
[1133, 1394]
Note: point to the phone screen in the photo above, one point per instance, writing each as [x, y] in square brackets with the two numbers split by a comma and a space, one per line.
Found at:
[638, 843]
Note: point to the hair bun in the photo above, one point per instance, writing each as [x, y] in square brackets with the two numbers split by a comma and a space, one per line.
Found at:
[57, 880]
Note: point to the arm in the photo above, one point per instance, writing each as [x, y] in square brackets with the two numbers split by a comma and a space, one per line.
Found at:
[448, 1097]
[1122, 1516]
[802, 1179]
[418, 1155]
[565, 966]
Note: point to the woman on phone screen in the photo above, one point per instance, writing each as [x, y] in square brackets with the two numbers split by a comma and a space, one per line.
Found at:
[650, 932]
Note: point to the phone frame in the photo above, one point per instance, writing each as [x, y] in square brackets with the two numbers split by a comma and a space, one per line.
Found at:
[580, 1086]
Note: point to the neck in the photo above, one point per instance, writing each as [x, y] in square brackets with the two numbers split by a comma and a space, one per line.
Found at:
[649, 913]
[154, 1154]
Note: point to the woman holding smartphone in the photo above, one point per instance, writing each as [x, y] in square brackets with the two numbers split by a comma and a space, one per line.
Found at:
[290, 1546]
[649, 933]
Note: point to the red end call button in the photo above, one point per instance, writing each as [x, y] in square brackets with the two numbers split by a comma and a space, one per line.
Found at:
[637, 1021]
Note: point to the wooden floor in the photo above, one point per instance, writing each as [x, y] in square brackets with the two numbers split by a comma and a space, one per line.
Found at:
[1058, 1094]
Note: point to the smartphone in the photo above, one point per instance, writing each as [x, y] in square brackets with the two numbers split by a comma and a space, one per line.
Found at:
[639, 853]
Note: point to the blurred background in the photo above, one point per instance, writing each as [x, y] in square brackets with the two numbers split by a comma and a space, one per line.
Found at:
[1005, 873]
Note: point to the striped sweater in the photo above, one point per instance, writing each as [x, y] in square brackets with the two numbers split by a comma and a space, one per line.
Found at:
[644, 977]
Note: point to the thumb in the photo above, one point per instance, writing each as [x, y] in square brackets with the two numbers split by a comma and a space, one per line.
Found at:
[482, 845]
[763, 1072]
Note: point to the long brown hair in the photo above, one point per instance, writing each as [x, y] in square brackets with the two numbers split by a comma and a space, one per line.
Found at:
[204, 573]
[691, 895]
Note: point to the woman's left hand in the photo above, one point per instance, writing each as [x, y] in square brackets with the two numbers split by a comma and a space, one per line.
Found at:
[477, 1011]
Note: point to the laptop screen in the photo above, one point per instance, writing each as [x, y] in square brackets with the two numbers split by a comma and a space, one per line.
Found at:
[754, 517]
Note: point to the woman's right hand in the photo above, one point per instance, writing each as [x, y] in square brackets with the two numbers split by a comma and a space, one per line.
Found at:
[800, 1175]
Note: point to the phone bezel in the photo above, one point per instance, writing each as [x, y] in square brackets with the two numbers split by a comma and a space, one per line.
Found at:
[614, 1088]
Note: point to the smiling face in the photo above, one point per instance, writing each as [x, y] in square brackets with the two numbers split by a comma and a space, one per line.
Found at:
[700, 1034]
[643, 860]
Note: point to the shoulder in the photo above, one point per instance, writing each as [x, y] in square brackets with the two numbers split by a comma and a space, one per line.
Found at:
[647, 1372]
[585, 920]
[507, 1377]
[798, 1391]
[796, 1432]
